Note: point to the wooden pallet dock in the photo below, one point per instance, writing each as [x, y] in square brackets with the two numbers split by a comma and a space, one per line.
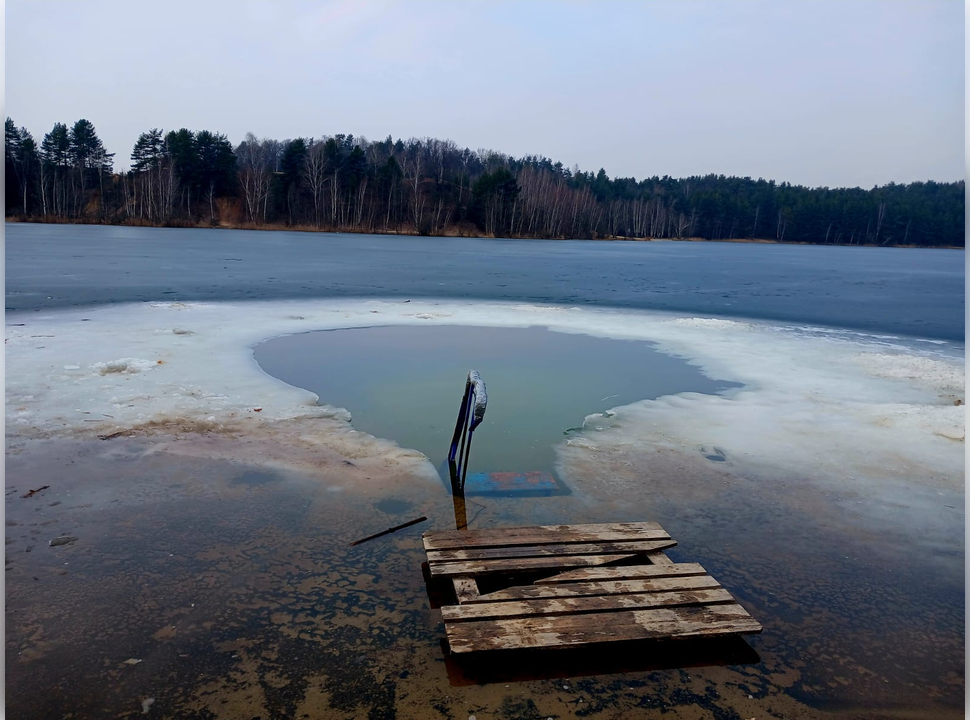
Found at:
[595, 583]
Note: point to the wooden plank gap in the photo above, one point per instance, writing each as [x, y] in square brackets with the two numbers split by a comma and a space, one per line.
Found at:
[601, 587]
[542, 534]
[624, 572]
[562, 549]
[519, 565]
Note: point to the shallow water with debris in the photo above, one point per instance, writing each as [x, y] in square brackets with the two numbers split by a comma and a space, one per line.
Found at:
[235, 589]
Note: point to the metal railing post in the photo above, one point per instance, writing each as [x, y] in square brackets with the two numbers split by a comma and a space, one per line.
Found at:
[470, 416]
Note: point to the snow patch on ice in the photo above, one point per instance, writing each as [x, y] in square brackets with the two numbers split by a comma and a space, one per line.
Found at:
[928, 372]
[122, 365]
[709, 323]
[834, 404]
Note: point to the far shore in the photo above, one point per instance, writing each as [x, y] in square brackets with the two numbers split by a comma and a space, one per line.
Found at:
[466, 230]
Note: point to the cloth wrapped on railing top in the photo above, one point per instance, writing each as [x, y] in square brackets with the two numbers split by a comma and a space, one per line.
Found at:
[481, 398]
[470, 416]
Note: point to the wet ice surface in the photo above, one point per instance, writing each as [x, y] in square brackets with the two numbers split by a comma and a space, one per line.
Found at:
[213, 523]
[406, 383]
[911, 291]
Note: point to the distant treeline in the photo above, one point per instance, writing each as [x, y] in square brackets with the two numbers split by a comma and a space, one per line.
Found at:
[433, 187]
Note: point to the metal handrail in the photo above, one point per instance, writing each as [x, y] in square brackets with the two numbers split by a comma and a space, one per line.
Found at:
[470, 416]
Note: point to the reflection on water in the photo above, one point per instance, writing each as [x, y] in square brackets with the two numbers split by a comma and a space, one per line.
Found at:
[254, 477]
[218, 598]
[592, 660]
[393, 506]
[405, 384]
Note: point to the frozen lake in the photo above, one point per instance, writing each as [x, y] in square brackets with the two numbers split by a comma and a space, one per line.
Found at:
[803, 440]
[890, 290]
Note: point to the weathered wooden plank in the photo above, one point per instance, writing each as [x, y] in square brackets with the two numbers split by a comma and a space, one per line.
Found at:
[543, 534]
[466, 589]
[549, 607]
[567, 630]
[626, 572]
[659, 558]
[482, 567]
[602, 587]
[488, 553]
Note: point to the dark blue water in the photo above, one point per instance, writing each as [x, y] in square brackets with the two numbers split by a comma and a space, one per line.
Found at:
[900, 291]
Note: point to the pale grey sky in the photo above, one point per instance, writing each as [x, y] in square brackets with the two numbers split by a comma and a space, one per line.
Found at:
[816, 92]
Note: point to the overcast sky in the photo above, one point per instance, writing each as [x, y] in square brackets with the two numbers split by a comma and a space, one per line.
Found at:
[813, 92]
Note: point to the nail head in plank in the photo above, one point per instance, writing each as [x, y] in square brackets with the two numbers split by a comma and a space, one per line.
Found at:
[466, 589]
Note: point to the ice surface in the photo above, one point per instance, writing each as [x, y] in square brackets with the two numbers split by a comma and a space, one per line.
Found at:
[123, 365]
[836, 404]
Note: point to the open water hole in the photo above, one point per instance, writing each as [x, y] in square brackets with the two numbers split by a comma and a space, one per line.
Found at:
[405, 384]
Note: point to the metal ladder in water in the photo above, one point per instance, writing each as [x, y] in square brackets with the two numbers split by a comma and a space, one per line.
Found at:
[470, 416]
